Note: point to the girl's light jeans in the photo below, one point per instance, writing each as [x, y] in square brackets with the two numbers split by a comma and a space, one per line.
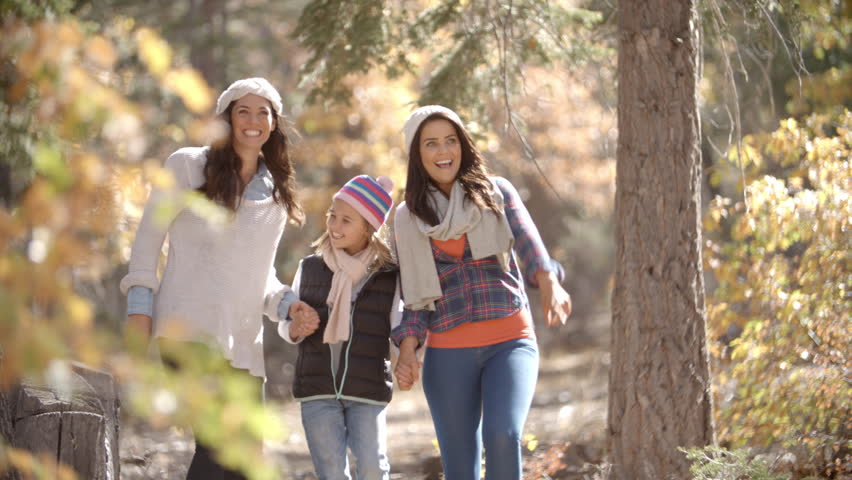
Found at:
[332, 426]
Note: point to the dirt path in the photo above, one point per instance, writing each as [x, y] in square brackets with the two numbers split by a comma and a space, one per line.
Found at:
[569, 410]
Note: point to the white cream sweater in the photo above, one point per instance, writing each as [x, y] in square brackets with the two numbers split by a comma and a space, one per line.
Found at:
[218, 281]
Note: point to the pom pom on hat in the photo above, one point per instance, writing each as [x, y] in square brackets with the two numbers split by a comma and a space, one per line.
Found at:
[258, 86]
[416, 118]
[370, 197]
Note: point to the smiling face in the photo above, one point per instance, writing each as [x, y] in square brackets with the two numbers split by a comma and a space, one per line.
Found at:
[346, 228]
[252, 120]
[440, 152]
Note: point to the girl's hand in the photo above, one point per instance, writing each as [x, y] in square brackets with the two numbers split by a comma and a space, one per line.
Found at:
[407, 369]
[554, 299]
[305, 320]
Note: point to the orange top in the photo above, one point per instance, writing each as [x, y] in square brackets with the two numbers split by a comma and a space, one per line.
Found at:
[479, 334]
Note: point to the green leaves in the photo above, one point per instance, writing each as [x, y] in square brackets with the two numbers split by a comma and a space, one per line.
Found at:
[715, 463]
[344, 38]
[48, 161]
[465, 52]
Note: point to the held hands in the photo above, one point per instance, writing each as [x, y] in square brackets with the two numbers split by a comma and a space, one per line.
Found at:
[407, 369]
[305, 320]
[554, 299]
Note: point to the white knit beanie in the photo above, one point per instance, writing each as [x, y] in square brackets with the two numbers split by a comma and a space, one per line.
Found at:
[417, 117]
[258, 86]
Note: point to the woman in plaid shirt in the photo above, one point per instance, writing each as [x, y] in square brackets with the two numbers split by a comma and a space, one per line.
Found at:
[459, 236]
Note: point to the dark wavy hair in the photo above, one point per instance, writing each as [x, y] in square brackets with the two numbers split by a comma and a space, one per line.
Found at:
[222, 182]
[473, 175]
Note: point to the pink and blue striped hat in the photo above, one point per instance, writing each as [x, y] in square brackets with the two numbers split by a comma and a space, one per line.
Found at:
[369, 196]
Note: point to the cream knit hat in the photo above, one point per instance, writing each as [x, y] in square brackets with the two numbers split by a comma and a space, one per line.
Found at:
[417, 117]
[258, 86]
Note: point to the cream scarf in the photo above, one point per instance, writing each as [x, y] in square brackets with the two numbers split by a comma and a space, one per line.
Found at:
[348, 271]
[487, 235]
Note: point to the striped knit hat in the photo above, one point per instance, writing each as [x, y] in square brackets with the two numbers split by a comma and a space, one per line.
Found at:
[369, 196]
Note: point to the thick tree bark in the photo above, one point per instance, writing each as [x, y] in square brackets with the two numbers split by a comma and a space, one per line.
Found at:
[659, 381]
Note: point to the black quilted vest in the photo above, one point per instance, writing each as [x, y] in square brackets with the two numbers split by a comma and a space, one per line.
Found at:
[363, 370]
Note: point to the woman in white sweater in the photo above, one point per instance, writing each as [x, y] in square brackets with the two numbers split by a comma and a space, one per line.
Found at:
[219, 280]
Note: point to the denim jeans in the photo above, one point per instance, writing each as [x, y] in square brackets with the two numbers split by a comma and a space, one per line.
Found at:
[480, 396]
[333, 425]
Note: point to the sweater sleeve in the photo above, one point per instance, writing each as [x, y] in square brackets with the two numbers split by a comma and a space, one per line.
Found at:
[528, 244]
[140, 300]
[276, 292]
[284, 323]
[162, 208]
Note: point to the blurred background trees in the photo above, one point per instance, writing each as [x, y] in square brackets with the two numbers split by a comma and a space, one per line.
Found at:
[96, 93]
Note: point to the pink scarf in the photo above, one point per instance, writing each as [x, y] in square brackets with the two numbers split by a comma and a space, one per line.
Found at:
[348, 271]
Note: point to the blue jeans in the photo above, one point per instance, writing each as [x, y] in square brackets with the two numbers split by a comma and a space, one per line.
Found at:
[481, 396]
[333, 425]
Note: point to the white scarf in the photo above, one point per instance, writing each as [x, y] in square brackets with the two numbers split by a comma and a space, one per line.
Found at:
[348, 271]
[488, 234]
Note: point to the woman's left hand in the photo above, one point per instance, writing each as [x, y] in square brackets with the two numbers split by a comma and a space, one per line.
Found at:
[554, 299]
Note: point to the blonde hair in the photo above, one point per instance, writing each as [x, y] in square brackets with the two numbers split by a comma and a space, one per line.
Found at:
[378, 244]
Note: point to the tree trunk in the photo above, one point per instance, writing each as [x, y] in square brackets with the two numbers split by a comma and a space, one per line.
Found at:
[77, 426]
[659, 382]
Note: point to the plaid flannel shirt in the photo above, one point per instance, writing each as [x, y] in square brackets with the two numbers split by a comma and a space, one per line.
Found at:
[478, 290]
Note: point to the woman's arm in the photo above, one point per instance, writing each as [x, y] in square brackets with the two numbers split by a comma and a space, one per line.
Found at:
[539, 269]
[141, 281]
[277, 297]
[529, 247]
[161, 209]
[554, 299]
[296, 318]
[407, 369]
[140, 310]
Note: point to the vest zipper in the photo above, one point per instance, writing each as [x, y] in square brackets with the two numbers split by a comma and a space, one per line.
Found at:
[338, 393]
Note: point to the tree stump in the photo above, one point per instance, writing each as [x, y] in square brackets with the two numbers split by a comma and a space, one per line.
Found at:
[78, 426]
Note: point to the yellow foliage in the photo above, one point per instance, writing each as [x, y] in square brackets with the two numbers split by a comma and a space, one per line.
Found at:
[191, 88]
[35, 466]
[78, 311]
[69, 225]
[154, 51]
[782, 274]
[100, 51]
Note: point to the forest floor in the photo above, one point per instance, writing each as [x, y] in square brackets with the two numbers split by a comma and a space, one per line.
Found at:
[564, 434]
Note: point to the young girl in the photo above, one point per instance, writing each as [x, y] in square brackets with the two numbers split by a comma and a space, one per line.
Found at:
[343, 378]
[218, 283]
[458, 234]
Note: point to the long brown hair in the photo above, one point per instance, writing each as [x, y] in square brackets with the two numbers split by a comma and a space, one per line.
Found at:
[473, 175]
[222, 181]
